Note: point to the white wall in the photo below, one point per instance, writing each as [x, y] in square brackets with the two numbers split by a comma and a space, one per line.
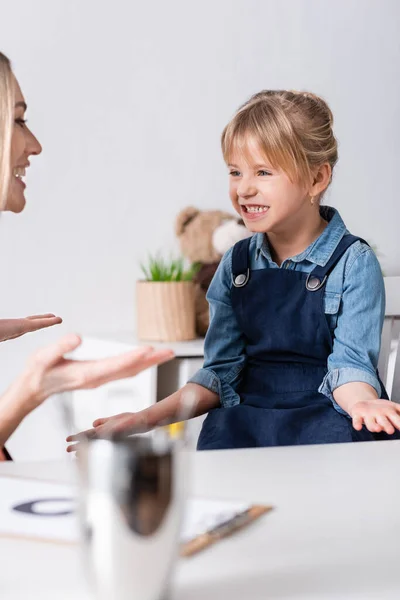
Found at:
[129, 99]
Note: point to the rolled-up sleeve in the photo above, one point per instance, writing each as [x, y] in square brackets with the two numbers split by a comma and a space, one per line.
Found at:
[357, 336]
[224, 347]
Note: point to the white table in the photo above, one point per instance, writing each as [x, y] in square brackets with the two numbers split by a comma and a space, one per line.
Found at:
[335, 533]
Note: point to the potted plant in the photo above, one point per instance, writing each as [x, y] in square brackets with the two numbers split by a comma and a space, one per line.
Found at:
[165, 301]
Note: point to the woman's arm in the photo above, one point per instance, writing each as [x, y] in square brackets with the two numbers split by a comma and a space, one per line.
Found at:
[48, 372]
[14, 407]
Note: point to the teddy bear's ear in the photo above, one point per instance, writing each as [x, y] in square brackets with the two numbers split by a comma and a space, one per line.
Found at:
[184, 217]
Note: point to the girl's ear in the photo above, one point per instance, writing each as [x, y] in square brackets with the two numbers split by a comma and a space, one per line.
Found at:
[322, 178]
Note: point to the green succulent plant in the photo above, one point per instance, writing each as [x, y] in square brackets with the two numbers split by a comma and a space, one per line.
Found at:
[160, 269]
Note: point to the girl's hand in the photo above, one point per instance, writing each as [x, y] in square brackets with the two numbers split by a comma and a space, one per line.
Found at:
[124, 422]
[14, 328]
[48, 372]
[376, 415]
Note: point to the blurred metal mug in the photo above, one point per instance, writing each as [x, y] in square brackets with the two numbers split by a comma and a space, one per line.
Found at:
[131, 505]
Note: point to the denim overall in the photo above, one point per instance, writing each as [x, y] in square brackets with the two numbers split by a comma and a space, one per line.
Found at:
[288, 341]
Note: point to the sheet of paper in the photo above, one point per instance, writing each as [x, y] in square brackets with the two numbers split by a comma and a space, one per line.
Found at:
[37, 509]
[46, 511]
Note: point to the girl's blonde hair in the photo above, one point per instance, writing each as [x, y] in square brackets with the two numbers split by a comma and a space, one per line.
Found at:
[292, 129]
[6, 125]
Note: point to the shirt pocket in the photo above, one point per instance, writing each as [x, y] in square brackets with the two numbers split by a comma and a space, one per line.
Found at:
[331, 308]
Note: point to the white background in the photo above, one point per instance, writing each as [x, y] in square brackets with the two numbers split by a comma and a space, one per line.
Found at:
[129, 99]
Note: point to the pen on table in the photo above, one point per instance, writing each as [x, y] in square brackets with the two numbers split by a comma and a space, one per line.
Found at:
[223, 530]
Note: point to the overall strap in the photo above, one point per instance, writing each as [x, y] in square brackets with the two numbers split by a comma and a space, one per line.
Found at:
[241, 263]
[319, 275]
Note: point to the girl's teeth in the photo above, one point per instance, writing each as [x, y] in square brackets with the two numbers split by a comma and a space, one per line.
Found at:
[254, 209]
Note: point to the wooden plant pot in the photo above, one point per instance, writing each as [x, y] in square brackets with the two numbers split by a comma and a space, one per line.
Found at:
[165, 311]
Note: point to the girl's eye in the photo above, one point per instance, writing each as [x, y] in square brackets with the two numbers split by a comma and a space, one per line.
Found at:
[234, 173]
[263, 173]
[21, 122]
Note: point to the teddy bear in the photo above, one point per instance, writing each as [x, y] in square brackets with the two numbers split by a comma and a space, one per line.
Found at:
[204, 237]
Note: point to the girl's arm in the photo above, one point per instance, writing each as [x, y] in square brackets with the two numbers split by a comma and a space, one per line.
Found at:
[363, 404]
[172, 409]
[352, 381]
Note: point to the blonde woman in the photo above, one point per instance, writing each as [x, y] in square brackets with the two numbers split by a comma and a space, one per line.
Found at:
[47, 371]
[15, 148]
[297, 309]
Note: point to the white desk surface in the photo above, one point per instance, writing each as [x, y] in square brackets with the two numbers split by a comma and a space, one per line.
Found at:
[189, 349]
[335, 532]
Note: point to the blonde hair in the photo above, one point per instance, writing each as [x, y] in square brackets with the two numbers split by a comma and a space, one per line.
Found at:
[6, 125]
[292, 129]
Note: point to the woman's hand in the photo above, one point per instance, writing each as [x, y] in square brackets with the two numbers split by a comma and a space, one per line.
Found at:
[49, 372]
[14, 328]
[376, 415]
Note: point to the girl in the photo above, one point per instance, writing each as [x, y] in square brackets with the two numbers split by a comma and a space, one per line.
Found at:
[47, 371]
[297, 309]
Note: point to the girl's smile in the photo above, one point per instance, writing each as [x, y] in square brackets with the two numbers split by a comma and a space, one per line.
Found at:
[253, 212]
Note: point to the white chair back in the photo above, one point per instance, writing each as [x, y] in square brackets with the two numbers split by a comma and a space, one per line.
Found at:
[389, 358]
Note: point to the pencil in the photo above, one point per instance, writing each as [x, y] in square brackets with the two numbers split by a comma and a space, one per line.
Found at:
[236, 523]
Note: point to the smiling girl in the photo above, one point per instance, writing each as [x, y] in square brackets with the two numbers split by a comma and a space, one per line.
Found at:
[296, 310]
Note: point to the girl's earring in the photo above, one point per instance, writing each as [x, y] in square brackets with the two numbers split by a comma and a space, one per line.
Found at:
[312, 200]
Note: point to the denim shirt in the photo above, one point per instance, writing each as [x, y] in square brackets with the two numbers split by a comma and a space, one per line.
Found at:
[354, 303]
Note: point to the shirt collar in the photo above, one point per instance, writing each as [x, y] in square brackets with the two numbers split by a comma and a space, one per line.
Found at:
[320, 251]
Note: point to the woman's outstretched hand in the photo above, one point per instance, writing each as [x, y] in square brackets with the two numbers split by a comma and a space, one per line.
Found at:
[49, 372]
[14, 328]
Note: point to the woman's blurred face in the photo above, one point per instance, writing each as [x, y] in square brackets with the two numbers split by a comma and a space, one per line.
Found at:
[23, 146]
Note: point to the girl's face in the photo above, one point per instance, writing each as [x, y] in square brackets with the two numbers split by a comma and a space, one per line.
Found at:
[23, 145]
[265, 197]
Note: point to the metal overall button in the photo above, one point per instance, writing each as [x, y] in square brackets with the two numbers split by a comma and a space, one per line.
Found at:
[241, 279]
[314, 283]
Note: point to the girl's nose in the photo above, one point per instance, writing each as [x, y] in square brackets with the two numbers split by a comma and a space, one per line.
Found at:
[246, 189]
